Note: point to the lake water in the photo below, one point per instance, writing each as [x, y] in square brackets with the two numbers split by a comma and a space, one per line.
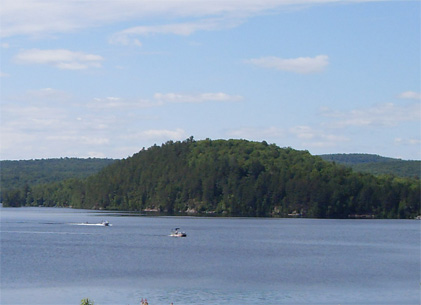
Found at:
[47, 259]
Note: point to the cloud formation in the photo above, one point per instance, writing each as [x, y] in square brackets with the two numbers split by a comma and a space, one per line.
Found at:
[301, 135]
[301, 65]
[197, 98]
[258, 134]
[121, 103]
[312, 137]
[410, 141]
[177, 134]
[59, 58]
[160, 99]
[125, 37]
[387, 114]
[410, 95]
[42, 126]
[162, 134]
[34, 18]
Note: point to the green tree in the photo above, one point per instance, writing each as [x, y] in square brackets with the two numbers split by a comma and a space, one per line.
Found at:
[86, 302]
[233, 177]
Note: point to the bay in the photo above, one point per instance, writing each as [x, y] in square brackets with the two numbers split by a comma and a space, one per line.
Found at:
[47, 258]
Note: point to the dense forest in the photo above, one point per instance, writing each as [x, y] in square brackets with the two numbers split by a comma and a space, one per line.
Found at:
[230, 177]
[17, 174]
[352, 159]
[377, 165]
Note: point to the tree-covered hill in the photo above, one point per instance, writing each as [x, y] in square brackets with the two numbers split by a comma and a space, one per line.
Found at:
[17, 174]
[377, 165]
[350, 159]
[230, 177]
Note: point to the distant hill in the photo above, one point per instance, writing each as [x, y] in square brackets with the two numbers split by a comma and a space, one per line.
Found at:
[229, 177]
[377, 165]
[17, 174]
[351, 159]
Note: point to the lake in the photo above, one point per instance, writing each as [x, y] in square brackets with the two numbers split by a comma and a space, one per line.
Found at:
[47, 257]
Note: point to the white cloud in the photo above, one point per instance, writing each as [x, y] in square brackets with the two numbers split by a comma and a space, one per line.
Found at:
[301, 65]
[158, 134]
[183, 29]
[411, 141]
[387, 114]
[96, 154]
[197, 98]
[2, 74]
[176, 134]
[324, 141]
[121, 103]
[410, 95]
[34, 17]
[303, 132]
[125, 40]
[311, 137]
[46, 130]
[47, 93]
[297, 136]
[159, 99]
[43, 126]
[80, 139]
[59, 58]
[32, 117]
[39, 97]
[258, 134]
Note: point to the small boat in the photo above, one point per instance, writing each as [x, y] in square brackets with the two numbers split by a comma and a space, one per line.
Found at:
[105, 223]
[177, 233]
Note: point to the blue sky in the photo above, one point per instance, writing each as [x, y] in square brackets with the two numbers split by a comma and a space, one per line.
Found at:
[107, 78]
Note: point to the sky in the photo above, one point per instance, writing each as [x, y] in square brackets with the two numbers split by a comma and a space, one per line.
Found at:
[106, 78]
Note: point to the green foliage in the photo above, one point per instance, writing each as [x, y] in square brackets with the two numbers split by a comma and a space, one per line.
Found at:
[233, 177]
[377, 165]
[351, 159]
[18, 175]
[86, 302]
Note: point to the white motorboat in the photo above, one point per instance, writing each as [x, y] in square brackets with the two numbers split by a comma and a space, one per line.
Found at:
[177, 233]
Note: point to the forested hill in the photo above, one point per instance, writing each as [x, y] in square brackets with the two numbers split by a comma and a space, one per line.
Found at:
[351, 159]
[377, 165]
[234, 177]
[17, 174]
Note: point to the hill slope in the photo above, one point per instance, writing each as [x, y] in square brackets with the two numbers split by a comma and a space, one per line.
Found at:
[234, 177]
[16, 174]
[377, 165]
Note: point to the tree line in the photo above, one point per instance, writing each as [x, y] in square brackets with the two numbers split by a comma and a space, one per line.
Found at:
[229, 177]
[377, 165]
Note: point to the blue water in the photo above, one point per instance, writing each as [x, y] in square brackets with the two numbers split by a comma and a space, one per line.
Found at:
[47, 259]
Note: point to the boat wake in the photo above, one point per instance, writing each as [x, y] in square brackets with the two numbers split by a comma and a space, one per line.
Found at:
[100, 224]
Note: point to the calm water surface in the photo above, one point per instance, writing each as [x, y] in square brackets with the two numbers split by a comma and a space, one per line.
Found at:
[47, 259]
